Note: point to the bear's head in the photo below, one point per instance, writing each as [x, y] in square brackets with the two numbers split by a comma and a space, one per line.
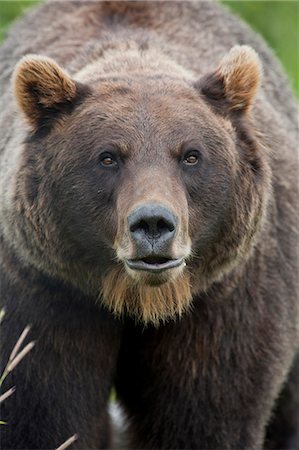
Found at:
[141, 187]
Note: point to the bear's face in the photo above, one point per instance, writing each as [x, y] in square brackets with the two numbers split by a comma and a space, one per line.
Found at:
[157, 183]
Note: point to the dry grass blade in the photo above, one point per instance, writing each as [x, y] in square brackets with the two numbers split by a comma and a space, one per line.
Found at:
[7, 394]
[19, 343]
[11, 365]
[68, 442]
[2, 314]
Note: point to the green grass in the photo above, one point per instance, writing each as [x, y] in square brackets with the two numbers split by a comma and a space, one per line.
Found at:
[9, 11]
[276, 21]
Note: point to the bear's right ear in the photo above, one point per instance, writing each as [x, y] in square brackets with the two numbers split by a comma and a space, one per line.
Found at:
[42, 89]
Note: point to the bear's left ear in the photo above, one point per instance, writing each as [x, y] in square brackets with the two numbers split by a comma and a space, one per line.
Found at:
[42, 89]
[234, 83]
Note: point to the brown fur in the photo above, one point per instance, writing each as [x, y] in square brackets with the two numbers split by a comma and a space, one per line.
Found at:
[145, 85]
[143, 188]
[40, 83]
[240, 71]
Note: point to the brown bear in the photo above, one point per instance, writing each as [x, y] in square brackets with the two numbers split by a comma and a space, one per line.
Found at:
[148, 229]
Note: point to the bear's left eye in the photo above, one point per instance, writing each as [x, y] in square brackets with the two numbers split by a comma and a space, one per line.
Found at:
[191, 158]
[108, 160]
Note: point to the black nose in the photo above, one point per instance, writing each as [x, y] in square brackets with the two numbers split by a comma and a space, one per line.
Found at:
[154, 224]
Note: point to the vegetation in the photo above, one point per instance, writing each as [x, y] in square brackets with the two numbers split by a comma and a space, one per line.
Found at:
[10, 10]
[14, 359]
[276, 21]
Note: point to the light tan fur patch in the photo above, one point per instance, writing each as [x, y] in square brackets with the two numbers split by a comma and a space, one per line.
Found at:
[147, 304]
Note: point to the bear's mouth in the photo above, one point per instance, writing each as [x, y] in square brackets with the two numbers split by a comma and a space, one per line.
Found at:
[154, 263]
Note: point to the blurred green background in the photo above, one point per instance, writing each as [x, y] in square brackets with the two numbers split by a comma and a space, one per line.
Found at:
[277, 21]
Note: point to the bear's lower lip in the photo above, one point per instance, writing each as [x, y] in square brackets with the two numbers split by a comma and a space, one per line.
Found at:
[154, 264]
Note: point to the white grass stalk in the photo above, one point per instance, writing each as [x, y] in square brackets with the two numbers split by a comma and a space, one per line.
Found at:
[7, 394]
[12, 364]
[2, 314]
[68, 442]
[19, 343]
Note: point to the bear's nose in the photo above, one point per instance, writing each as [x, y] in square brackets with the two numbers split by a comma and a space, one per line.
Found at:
[153, 223]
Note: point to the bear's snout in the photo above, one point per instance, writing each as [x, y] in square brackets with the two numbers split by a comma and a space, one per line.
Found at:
[152, 228]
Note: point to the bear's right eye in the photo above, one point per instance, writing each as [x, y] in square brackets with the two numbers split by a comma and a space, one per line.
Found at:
[108, 160]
